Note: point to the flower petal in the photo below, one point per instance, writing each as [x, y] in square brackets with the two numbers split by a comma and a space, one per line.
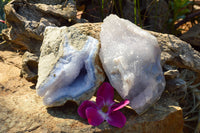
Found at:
[82, 108]
[94, 117]
[2, 21]
[107, 92]
[100, 102]
[120, 105]
[116, 119]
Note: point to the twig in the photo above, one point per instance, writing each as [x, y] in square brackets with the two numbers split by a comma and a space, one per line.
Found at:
[3, 42]
[65, 4]
[192, 119]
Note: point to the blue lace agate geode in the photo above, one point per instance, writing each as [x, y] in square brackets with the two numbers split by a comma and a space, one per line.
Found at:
[131, 59]
[68, 66]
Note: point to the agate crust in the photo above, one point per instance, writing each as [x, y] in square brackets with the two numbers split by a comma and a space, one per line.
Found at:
[69, 66]
[131, 60]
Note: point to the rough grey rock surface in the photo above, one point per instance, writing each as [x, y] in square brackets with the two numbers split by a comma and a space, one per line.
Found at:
[174, 83]
[30, 67]
[174, 51]
[131, 59]
[27, 19]
[69, 68]
[21, 110]
[171, 74]
[192, 36]
[177, 53]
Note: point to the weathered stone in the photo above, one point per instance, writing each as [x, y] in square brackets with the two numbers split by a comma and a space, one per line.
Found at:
[93, 29]
[171, 74]
[174, 51]
[21, 110]
[27, 19]
[173, 85]
[30, 67]
[177, 53]
[89, 29]
[192, 36]
[166, 113]
[131, 59]
[69, 68]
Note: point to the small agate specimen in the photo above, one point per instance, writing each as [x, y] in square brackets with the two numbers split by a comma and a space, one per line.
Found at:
[69, 66]
[131, 60]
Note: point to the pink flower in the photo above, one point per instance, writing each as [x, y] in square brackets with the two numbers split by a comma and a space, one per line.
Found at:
[2, 21]
[104, 108]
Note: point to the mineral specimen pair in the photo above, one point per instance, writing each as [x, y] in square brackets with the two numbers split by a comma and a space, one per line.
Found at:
[70, 69]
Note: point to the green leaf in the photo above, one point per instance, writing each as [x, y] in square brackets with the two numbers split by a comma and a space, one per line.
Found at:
[182, 12]
[186, 3]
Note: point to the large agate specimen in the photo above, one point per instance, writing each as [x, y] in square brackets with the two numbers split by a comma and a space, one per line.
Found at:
[131, 60]
[69, 67]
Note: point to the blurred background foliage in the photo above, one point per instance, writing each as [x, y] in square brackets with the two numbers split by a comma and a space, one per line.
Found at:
[167, 16]
[2, 14]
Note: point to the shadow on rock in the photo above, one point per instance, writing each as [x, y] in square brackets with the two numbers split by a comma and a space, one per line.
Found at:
[67, 111]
